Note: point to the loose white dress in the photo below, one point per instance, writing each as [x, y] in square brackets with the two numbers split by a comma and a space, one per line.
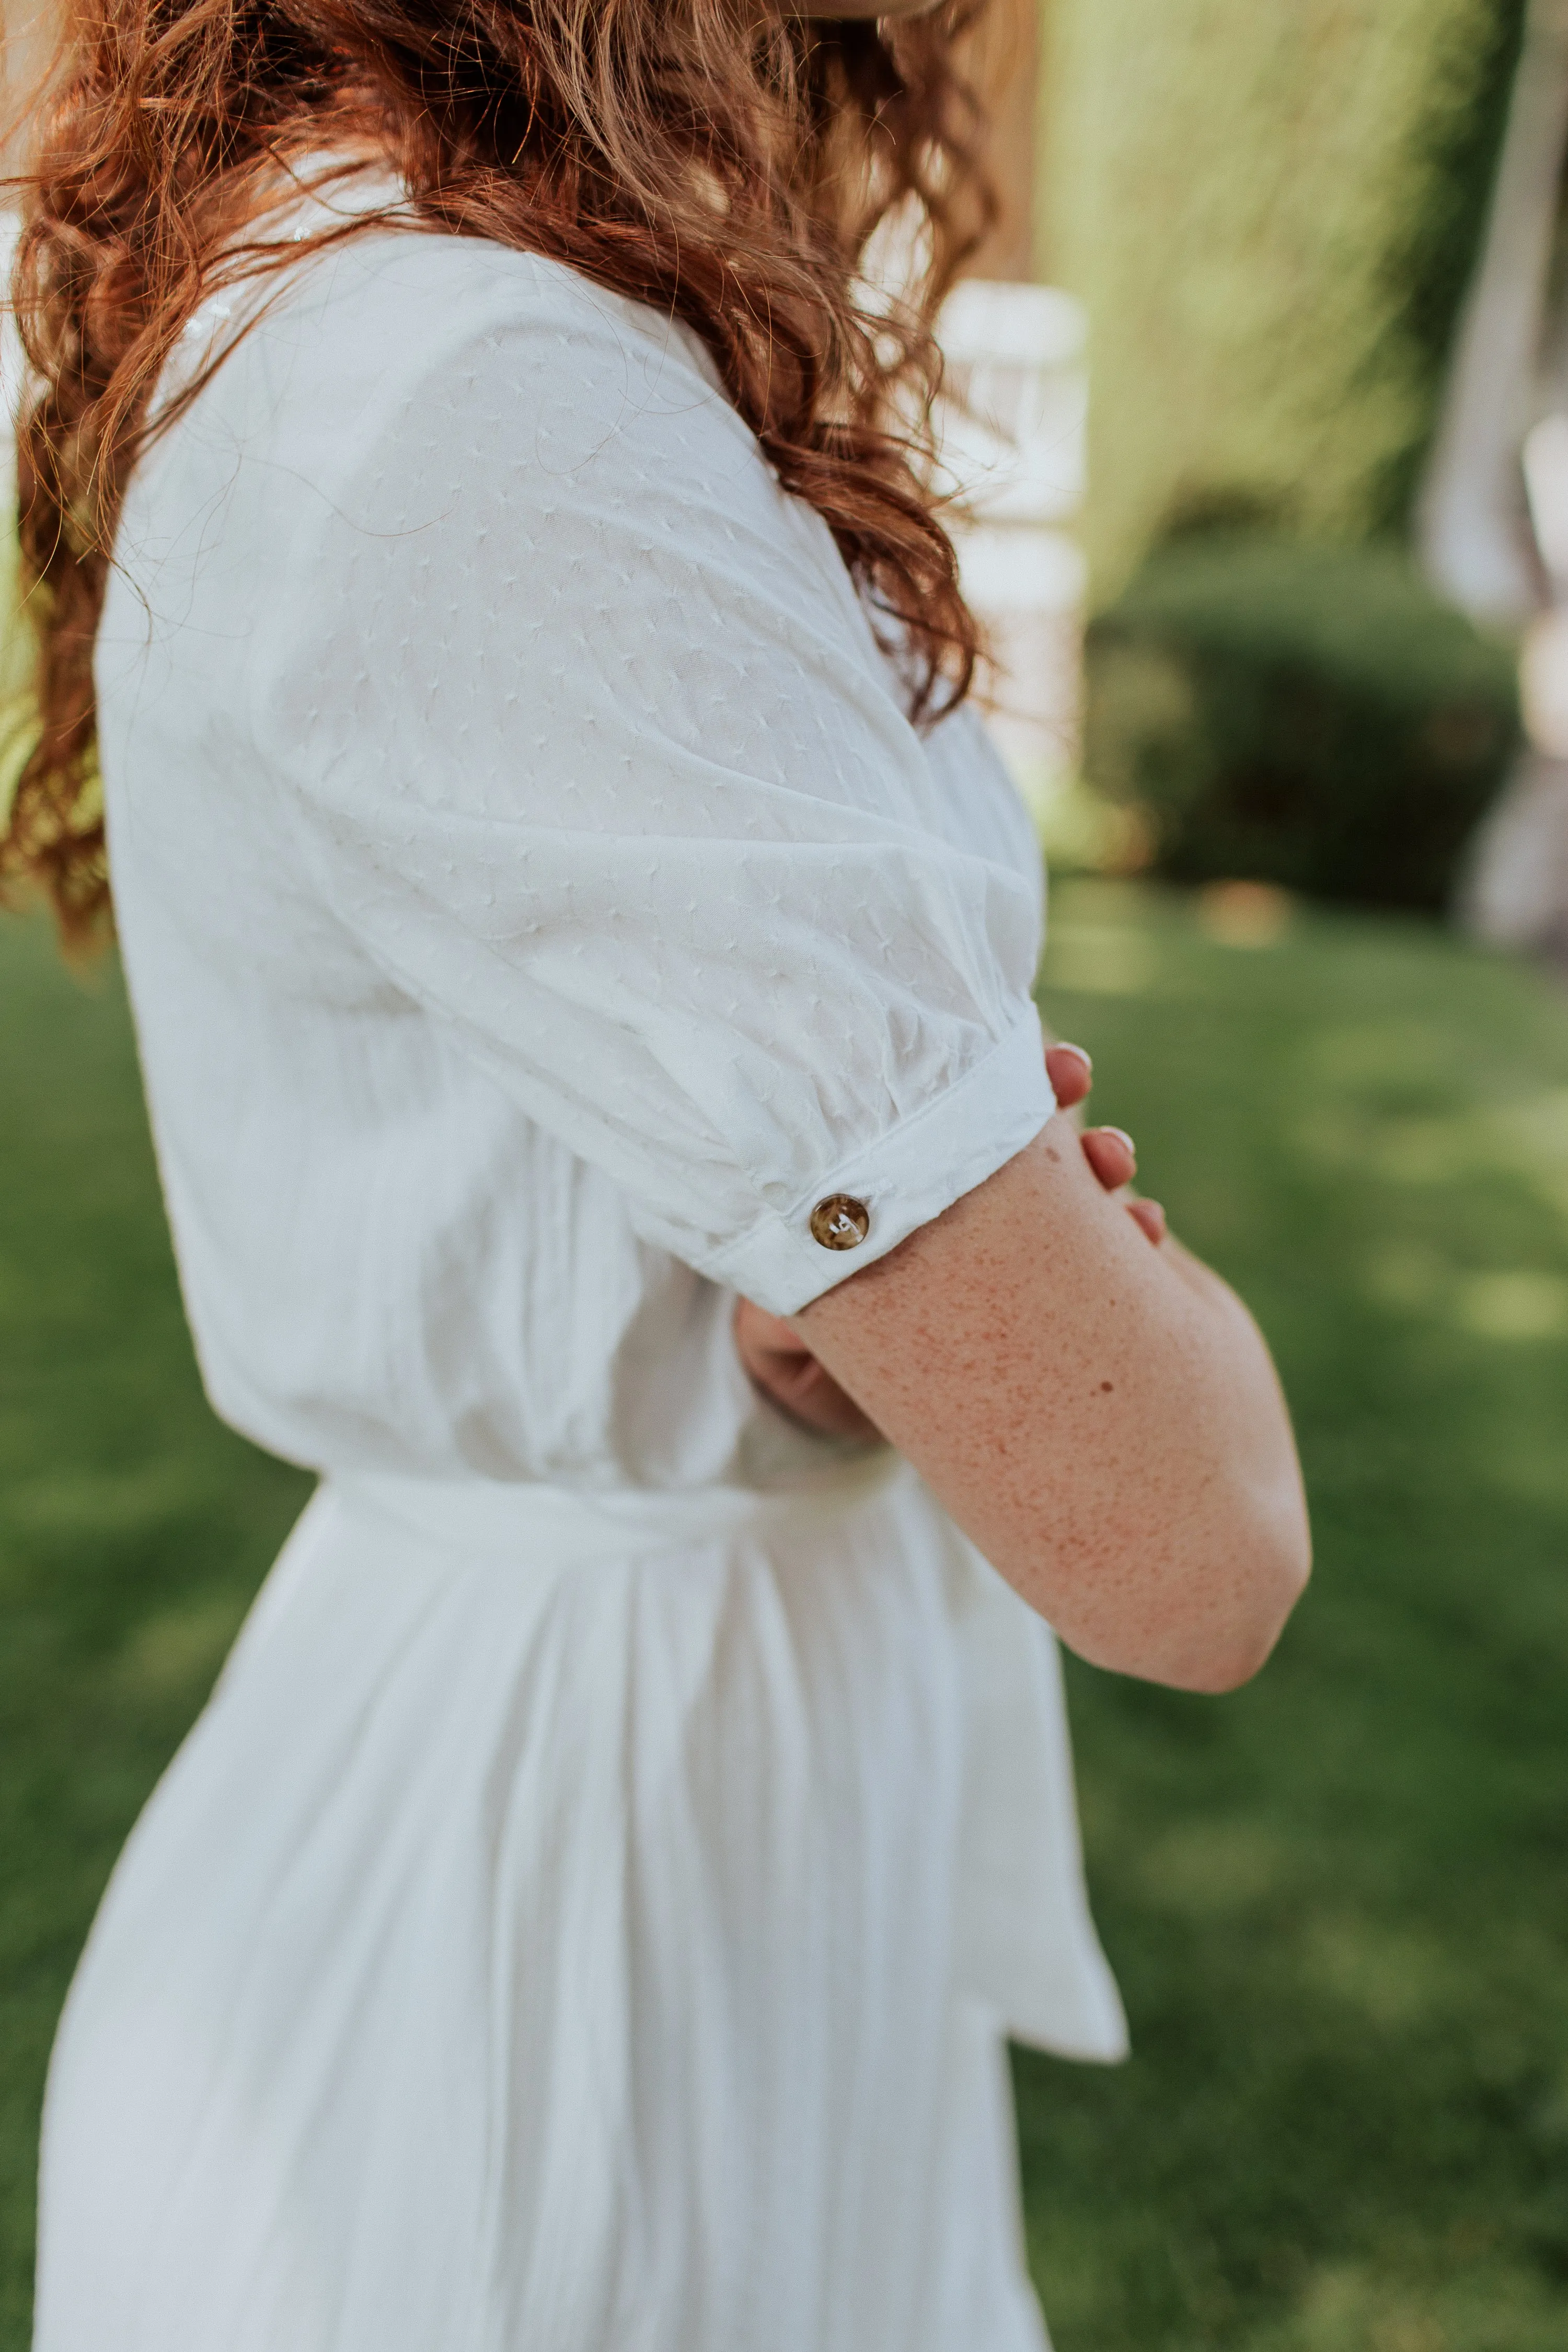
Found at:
[586, 1916]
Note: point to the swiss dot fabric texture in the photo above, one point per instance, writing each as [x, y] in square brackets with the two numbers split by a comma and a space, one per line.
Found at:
[584, 742]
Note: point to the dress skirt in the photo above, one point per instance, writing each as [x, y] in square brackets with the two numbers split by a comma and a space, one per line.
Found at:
[582, 1924]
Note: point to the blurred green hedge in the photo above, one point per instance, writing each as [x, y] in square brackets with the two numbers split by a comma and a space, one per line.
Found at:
[1272, 214]
[1304, 715]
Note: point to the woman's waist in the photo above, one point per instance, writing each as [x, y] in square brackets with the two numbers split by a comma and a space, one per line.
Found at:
[583, 1524]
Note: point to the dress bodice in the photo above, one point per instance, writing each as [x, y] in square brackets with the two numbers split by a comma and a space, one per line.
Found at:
[532, 896]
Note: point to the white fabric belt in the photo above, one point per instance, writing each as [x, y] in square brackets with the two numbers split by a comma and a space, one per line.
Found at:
[578, 1525]
[1025, 1942]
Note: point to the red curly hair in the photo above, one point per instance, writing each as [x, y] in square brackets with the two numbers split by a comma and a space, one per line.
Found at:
[723, 160]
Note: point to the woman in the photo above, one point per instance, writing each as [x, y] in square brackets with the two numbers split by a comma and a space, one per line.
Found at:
[581, 951]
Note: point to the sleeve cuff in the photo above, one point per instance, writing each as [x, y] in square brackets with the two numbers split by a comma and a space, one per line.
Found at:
[897, 1184]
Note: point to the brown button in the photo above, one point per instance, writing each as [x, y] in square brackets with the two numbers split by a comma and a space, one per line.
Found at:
[840, 1221]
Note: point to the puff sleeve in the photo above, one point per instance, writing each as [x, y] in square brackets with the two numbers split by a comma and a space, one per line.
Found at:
[586, 737]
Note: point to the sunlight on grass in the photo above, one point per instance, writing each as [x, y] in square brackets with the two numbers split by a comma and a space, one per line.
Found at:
[1393, 1976]
[1519, 1306]
[94, 1500]
[1509, 1304]
[1344, 2309]
[1358, 1122]
[1209, 1869]
[182, 1650]
[1338, 1902]
[1098, 960]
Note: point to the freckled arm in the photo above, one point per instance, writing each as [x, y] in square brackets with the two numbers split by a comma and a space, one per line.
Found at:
[1102, 1418]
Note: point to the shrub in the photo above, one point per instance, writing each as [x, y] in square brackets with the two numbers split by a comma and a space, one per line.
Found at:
[1305, 715]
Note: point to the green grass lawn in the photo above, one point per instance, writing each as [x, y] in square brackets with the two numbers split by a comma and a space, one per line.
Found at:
[1338, 1903]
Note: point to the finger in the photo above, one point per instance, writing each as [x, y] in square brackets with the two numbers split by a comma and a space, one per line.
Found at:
[1150, 1216]
[756, 1330]
[814, 1397]
[807, 1393]
[1071, 1072]
[1110, 1152]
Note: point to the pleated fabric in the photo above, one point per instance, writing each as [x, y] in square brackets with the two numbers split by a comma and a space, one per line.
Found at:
[545, 1942]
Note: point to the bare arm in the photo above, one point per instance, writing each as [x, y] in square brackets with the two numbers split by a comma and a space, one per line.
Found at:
[1099, 1416]
[783, 1368]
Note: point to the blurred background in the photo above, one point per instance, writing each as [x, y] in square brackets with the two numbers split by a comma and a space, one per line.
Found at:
[1259, 403]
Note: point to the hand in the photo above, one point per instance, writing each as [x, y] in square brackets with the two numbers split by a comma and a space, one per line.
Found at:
[1110, 1151]
[778, 1362]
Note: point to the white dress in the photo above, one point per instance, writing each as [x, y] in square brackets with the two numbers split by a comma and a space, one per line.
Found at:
[586, 1916]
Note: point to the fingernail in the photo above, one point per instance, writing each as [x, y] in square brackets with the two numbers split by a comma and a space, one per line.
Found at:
[1123, 1137]
[1082, 1057]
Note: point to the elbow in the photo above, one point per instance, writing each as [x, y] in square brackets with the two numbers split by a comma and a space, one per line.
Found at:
[1211, 1623]
[1203, 1614]
[1262, 1584]
[1227, 1664]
